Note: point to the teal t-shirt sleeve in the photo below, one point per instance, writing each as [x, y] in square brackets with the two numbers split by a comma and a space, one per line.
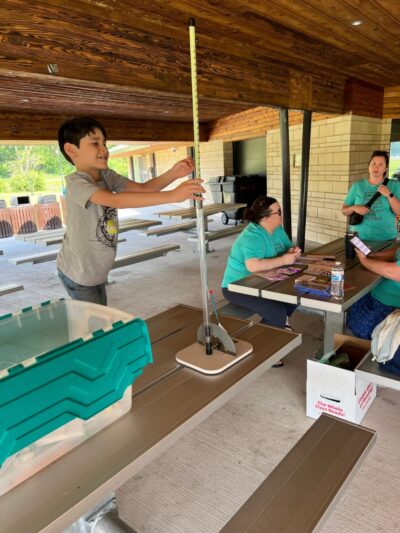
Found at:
[350, 198]
[394, 186]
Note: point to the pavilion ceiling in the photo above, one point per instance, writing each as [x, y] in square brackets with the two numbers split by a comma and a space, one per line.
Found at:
[129, 60]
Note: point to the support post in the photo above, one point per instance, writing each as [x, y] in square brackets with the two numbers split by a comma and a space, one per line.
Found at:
[286, 196]
[305, 164]
[131, 168]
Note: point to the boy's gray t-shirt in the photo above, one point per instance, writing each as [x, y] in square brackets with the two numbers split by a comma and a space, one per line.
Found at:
[90, 242]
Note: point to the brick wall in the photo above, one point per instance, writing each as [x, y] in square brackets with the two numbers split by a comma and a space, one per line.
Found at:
[215, 160]
[340, 150]
[165, 159]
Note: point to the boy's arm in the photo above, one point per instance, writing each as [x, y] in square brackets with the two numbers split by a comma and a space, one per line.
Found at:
[179, 170]
[185, 191]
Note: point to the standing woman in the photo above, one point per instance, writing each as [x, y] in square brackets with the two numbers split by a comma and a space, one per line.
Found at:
[379, 222]
[262, 245]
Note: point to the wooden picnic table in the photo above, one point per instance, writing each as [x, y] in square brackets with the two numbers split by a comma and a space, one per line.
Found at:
[168, 401]
[56, 236]
[362, 281]
[190, 212]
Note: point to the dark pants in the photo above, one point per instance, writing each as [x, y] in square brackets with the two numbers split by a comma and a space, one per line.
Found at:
[273, 313]
[366, 314]
[95, 294]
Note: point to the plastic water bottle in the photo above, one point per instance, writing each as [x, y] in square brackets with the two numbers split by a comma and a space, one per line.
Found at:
[337, 281]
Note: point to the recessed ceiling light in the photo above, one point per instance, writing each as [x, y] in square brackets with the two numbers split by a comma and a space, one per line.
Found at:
[25, 100]
[356, 22]
[52, 68]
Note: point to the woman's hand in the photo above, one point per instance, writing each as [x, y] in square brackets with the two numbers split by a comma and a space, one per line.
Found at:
[360, 255]
[360, 209]
[289, 257]
[384, 190]
[296, 250]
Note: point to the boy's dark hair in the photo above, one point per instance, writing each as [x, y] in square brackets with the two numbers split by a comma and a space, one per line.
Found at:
[260, 208]
[72, 131]
[380, 153]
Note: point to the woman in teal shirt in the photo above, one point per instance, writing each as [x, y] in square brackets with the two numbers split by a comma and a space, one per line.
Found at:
[379, 223]
[375, 306]
[262, 245]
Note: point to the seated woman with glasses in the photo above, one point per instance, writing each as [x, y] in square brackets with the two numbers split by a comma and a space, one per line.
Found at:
[262, 245]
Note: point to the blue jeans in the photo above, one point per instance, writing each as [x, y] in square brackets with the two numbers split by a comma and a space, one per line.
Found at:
[95, 294]
[365, 315]
[273, 313]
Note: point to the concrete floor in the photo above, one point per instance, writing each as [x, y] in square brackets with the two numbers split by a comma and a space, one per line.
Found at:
[199, 483]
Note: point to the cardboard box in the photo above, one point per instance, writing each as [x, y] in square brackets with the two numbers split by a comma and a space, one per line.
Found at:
[338, 391]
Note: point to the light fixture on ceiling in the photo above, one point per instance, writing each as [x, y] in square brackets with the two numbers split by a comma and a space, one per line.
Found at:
[52, 68]
[357, 22]
[25, 100]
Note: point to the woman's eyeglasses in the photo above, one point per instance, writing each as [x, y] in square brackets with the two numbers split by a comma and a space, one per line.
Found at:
[279, 212]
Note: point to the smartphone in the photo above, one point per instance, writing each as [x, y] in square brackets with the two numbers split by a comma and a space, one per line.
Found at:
[358, 243]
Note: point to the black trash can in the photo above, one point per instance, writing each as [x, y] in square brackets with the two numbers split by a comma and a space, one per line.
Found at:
[241, 189]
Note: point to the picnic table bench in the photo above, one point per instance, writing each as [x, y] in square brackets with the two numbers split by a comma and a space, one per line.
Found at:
[10, 287]
[121, 260]
[298, 495]
[50, 237]
[172, 228]
[218, 234]
[190, 212]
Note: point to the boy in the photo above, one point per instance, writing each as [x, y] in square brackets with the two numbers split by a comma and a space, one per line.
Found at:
[93, 194]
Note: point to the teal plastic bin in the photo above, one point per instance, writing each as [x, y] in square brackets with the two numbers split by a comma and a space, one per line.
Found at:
[63, 363]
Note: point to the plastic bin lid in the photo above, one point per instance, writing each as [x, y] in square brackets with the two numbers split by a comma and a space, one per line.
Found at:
[37, 330]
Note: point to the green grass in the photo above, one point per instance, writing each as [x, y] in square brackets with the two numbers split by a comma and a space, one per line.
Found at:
[54, 185]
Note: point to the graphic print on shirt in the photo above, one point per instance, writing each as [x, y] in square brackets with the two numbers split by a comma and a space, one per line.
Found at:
[107, 227]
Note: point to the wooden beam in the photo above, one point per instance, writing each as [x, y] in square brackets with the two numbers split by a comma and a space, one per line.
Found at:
[363, 99]
[130, 57]
[41, 127]
[253, 123]
[391, 102]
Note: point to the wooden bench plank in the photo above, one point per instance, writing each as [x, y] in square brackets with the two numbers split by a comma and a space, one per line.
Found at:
[220, 234]
[371, 371]
[305, 484]
[190, 212]
[34, 258]
[10, 287]
[130, 225]
[39, 257]
[166, 230]
[144, 255]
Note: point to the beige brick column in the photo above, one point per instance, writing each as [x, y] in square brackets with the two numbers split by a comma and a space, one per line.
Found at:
[340, 150]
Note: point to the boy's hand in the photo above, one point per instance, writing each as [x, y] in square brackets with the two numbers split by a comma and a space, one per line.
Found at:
[182, 168]
[188, 191]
